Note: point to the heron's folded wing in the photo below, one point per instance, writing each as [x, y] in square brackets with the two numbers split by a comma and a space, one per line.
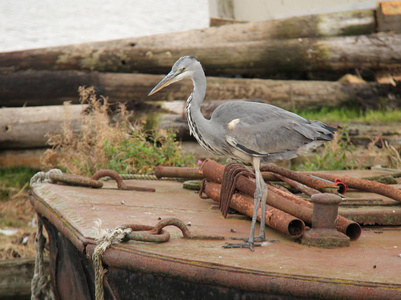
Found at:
[268, 137]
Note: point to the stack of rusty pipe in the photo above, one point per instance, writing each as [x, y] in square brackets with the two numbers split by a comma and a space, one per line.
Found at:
[285, 211]
[286, 204]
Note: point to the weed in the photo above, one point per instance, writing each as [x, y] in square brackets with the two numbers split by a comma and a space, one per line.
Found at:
[139, 153]
[345, 114]
[120, 145]
[13, 180]
[336, 155]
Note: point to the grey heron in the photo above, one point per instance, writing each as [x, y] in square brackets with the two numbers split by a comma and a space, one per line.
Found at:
[252, 132]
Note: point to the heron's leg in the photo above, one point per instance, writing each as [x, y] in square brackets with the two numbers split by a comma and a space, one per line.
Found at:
[264, 189]
[257, 198]
[250, 241]
[260, 195]
[263, 196]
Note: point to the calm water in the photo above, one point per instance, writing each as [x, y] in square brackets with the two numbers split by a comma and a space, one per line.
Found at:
[28, 24]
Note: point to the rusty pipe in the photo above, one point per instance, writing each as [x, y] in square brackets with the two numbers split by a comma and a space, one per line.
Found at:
[275, 218]
[344, 225]
[364, 185]
[298, 186]
[176, 172]
[279, 199]
[321, 185]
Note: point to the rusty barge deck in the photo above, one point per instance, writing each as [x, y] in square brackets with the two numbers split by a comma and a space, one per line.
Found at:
[202, 269]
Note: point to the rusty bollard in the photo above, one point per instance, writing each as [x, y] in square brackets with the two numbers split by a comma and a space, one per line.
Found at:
[323, 232]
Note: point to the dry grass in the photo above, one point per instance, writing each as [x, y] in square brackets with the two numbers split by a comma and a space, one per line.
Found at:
[17, 213]
[393, 154]
[82, 152]
[114, 144]
[341, 154]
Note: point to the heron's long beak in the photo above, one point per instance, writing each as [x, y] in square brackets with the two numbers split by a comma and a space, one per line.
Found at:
[167, 80]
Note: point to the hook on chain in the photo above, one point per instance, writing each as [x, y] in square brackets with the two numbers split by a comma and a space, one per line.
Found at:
[94, 181]
[156, 234]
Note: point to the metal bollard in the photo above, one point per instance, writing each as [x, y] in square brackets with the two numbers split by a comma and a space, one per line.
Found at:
[323, 232]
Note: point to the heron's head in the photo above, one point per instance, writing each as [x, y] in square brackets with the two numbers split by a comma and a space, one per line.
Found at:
[182, 68]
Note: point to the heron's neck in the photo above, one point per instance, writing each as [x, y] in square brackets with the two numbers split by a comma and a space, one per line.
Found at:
[198, 125]
[199, 82]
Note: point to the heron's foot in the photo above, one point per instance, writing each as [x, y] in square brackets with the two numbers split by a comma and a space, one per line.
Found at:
[256, 239]
[260, 242]
[242, 245]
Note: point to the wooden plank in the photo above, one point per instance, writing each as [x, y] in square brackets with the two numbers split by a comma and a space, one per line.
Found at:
[224, 21]
[389, 16]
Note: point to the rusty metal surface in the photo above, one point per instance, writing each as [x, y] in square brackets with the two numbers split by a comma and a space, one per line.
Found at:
[368, 215]
[275, 218]
[303, 178]
[280, 199]
[369, 268]
[365, 185]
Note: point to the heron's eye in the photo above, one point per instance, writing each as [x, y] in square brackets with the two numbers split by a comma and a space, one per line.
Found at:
[182, 69]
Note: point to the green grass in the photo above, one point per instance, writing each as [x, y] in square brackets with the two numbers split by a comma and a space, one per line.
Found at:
[12, 180]
[345, 114]
[336, 155]
[140, 153]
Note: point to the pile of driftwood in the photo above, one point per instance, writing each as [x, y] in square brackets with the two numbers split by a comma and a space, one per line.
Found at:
[290, 63]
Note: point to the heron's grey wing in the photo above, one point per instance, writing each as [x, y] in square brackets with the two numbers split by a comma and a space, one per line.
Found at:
[265, 130]
[268, 137]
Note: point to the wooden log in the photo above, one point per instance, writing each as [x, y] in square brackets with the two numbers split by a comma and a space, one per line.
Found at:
[358, 22]
[21, 158]
[361, 134]
[389, 76]
[31, 157]
[16, 276]
[35, 88]
[219, 54]
[374, 52]
[26, 127]
[54, 87]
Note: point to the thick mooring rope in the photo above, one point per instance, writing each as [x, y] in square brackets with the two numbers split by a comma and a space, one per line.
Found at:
[146, 177]
[106, 238]
[40, 285]
[43, 177]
